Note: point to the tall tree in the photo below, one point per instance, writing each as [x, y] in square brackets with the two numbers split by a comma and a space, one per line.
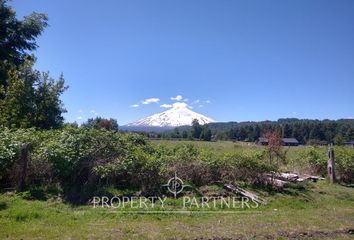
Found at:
[17, 38]
[32, 99]
[205, 134]
[28, 98]
[196, 129]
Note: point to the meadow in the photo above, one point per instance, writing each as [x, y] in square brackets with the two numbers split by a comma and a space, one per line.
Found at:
[318, 211]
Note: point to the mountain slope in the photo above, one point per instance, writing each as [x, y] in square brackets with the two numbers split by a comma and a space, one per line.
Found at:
[179, 115]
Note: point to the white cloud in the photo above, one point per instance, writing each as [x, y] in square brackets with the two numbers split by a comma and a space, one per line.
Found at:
[196, 101]
[294, 113]
[79, 118]
[177, 98]
[150, 100]
[94, 112]
[185, 100]
[80, 111]
[135, 105]
[166, 105]
[180, 105]
[201, 106]
[207, 101]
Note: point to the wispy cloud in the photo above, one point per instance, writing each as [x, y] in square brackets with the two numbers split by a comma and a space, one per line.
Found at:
[79, 118]
[150, 100]
[94, 112]
[134, 105]
[177, 98]
[196, 101]
[166, 105]
[201, 105]
[207, 101]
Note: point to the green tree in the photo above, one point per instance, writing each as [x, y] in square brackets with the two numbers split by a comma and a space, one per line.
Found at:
[205, 134]
[32, 99]
[48, 106]
[339, 140]
[17, 38]
[16, 111]
[196, 129]
[175, 133]
[350, 134]
[28, 98]
[101, 123]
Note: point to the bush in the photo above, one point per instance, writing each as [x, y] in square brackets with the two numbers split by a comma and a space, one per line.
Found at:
[345, 163]
[10, 143]
[317, 160]
[248, 167]
[86, 159]
[344, 156]
[83, 161]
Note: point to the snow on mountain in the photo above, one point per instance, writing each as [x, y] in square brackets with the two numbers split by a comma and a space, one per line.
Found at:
[179, 115]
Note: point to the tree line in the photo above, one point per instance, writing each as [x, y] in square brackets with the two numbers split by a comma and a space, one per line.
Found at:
[305, 131]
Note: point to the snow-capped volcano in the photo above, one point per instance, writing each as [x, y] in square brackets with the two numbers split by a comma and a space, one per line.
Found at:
[179, 115]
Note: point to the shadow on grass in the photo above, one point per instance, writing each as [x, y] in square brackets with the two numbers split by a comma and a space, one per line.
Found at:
[3, 206]
[349, 185]
[300, 191]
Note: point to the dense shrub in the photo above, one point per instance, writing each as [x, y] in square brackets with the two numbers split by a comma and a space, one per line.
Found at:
[345, 160]
[9, 148]
[82, 162]
[344, 156]
[250, 167]
[201, 167]
[10, 143]
[87, 159]
[317, 160]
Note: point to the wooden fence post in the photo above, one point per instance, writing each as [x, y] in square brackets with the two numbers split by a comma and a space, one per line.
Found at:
[331, 165]
[22, 168]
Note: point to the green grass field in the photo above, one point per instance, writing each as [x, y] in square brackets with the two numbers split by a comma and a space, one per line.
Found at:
[320, 211]
[307, 211]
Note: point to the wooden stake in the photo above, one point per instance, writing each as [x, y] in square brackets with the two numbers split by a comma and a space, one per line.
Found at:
[331, 165]
[22, 168]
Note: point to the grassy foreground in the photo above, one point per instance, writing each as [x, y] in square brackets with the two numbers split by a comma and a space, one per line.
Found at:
[320, 211]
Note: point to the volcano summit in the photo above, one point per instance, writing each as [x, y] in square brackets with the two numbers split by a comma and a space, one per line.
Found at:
[179, 115]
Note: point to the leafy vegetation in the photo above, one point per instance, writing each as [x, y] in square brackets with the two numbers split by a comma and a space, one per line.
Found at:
[79, 162]
[28, 98]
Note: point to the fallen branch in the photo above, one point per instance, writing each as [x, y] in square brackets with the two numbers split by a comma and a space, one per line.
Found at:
[244, 193]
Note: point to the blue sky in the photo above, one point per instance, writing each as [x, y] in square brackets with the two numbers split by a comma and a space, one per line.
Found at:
[243, 60]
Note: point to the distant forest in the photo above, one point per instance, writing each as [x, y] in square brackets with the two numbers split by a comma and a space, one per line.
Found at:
[305, 131]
